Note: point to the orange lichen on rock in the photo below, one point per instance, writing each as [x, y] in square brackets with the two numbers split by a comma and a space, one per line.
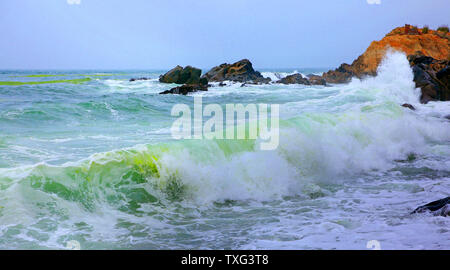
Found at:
[409, 40]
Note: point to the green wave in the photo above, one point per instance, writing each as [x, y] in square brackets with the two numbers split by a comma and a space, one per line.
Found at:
[125, 179]
[64, 75]
[73, 81]
[38, 75]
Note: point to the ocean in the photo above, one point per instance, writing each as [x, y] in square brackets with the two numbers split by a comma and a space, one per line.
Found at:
[90, 158]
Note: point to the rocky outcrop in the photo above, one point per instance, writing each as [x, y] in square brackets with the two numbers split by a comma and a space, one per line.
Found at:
[407, 39]
[294, 79]
[180, 75]
[185, 89]
[241, 71]
[431, 76]
[439, 207]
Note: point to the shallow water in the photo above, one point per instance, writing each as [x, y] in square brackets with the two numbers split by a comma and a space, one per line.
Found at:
[95, 162]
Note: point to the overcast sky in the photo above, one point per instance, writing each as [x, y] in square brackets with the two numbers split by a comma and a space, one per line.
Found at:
[159, 34]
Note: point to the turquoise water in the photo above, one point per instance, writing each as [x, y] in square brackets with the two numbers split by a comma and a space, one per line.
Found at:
[93, 160]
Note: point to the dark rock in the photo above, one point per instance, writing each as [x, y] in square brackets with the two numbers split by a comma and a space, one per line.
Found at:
[343, 74]
[408, 39]
[443, 76]
[139, 79]
[203, 81]
[316, 80]
[222, 84]
[294, 79]
[241, 71]
[409, 106]
[185, 89]
[431, 76]
[409, 158]
[180, 75]
[439, 207]
[261, 80]
[447, 117]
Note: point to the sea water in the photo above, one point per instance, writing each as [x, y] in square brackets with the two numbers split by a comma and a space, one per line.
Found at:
[90, 158]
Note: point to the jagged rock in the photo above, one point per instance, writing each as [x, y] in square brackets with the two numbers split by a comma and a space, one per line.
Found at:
[296, 78]
[180, 75]
[431, 76]
[241, 71]
[185, 89]
[139, 79]
[440, 207]
[316, 80]
[409, 106]
[407, 39]
[343, 74]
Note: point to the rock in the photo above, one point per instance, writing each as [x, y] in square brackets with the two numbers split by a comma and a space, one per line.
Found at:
[409, 106]
[139, 79]
[431, 76]
[222, 84]
[440, 207]
[294, 79]
[180, 75]
[241, 71]
[444, 77]
[447, 117]
[185, 89]
[407, 39]
[316, 80]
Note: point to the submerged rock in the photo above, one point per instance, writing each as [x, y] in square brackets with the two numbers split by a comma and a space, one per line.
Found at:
[409, 106]
[180, 75]
[440, 207]
[188, 88]
[139, 79]
[241, 71]
[185, 89]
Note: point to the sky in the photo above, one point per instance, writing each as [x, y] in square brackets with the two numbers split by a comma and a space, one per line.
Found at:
[159, 34]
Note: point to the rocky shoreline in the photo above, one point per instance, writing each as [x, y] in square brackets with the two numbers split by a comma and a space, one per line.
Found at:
[428, 53]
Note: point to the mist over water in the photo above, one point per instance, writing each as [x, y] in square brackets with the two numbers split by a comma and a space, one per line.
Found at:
[95, 162]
